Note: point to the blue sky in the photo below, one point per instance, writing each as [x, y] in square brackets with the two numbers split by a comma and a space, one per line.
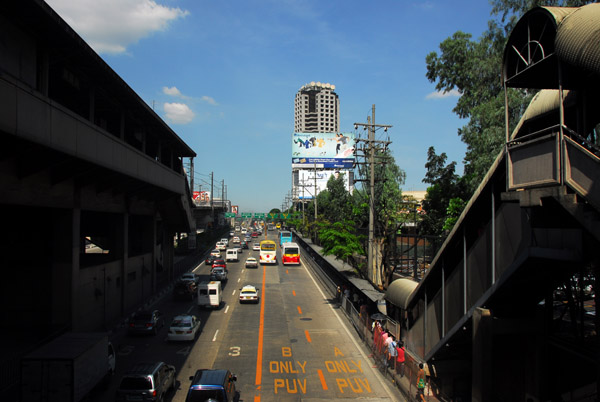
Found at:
[223, 75]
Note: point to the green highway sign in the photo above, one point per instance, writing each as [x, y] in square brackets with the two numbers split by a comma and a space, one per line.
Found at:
[259, 216]
[285, 216]
[273, 215]
[229, 215]
[246, 214]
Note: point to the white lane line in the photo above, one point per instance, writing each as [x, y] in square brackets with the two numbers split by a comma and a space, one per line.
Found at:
[239, 280]
[344, 325]
[215, 337]
[190, 309]
[226, 309]
[233, 293]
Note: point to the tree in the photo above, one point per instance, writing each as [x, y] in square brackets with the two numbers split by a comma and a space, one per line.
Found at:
[339, 239]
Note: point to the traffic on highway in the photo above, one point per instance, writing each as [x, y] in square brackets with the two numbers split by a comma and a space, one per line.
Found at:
[274, 336]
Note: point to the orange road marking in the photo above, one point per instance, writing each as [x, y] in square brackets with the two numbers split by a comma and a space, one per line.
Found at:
[299, 310]
[257, 398]
[307, 336]
[261, 328]
[322, 378]
[287, 272]
[294, 292]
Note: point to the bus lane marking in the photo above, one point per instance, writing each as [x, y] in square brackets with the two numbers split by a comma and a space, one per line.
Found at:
[299, 310]
[289, 385]
[322, 378]
[307, 336]
[259, 353]
[294, 292]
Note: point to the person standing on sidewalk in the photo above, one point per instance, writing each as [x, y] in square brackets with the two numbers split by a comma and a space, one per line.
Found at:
[400, 358]
[420, 380]
[392, 351]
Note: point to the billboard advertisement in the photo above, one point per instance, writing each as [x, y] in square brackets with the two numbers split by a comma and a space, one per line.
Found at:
[323, 150]
[305, 183]
[201, 196]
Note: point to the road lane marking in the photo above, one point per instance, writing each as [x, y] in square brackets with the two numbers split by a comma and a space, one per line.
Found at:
[352, 338]
[226, 309]
[307, 336]
[259, 352]
[233, 292]
[239, 279]
[189, 309]
[215, 337]
[322, 378]
[299, 310]
[294, 292]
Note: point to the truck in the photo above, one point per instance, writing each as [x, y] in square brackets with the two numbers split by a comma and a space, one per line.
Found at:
[67, 368]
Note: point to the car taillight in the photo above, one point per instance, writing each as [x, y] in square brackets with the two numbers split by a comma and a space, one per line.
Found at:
[154, 393]
[188, 332]
[148, 325]
[131, 325]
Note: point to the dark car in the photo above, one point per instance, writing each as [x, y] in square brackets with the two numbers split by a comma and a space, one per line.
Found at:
[146, 382]
[146, 322]
[184, 290]
[212, 384]
[244, 245]
[210, 259]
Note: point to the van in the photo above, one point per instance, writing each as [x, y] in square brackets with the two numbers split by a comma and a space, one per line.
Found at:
[232, 254]
[209, 294]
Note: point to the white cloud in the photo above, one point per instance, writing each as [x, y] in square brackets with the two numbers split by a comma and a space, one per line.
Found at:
[209, 100]
[109, 26]
[173, 91]
[178, 113]
[441, 95]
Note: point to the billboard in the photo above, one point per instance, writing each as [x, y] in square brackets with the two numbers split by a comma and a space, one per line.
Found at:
[323, 150]
[201, 196]
[305, 183]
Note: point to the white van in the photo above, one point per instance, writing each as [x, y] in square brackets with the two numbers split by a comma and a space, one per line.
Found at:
[209, 294]
[231, 255]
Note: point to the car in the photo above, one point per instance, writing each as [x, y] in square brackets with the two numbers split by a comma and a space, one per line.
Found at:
[216, 253]
[251, 262]
[239, 248]
[231, 234]
[212, 385]
[146, 382]
[210, 259]
[146, 322]
[256, 247]
[254, 234]
[184, 327]
[221, 246]
[225, 240]
[190, 276]
[244, 230]
[220, 263]
[218, 274]
[244, 246]
[249, 294]
[185, 290]
[235, 240]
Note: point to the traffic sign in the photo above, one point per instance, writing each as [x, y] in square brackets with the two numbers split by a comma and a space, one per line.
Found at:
[273, 215]
[229, 215]
[285, 216]
[246, 214]
[259, 216]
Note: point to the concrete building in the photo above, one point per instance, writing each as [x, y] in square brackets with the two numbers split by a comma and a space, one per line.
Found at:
[317, 109]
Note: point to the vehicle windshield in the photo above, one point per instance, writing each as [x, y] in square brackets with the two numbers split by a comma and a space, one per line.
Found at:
[268, 247]
[291, 250]
[137, 383]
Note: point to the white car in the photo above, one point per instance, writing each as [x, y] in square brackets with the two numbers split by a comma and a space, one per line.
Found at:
[221, 246]
[249, 294]
[215, 253]
[184, 328]
[256, 247]
[251, 262]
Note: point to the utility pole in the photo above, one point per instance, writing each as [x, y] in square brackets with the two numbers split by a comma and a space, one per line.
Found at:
[315, 193]
[212, 196]
[192, 175]
[372, 266]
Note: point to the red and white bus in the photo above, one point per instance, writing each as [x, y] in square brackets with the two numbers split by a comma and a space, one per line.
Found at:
[290, 253]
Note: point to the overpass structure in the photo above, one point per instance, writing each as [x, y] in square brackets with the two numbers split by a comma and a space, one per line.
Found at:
[507, 310]
[92, 185]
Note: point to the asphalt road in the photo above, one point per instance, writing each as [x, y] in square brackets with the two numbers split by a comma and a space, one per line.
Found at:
[294, 345]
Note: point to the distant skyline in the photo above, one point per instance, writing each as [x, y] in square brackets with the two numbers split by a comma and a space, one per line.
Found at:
[224, 75]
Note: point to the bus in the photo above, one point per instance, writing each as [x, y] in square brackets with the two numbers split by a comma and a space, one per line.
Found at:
[290, 253]
[268, 252]
[285, 237]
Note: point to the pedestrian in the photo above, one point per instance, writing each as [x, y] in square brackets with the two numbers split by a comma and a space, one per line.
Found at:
[420, 381]
[339, 293]
[400, 358]
[392, 351]
[382, 339]
[355, 299]
[376, 334]
[346, 292]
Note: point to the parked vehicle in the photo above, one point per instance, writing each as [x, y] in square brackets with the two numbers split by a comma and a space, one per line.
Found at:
[209, 294]
[208, 385]
[146, 322]
[146, 382]
[184, 290]
[67, 368]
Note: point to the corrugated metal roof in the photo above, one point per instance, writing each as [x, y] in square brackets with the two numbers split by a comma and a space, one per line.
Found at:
[559, 13]
[578, 38]
[399, 292]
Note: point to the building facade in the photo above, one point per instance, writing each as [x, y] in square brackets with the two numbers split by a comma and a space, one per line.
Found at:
[317, 109]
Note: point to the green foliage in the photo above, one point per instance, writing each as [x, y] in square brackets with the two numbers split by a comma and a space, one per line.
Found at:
[455, 207]
[339, 239]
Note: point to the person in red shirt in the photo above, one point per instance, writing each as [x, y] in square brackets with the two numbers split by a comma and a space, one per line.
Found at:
[400, 358]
